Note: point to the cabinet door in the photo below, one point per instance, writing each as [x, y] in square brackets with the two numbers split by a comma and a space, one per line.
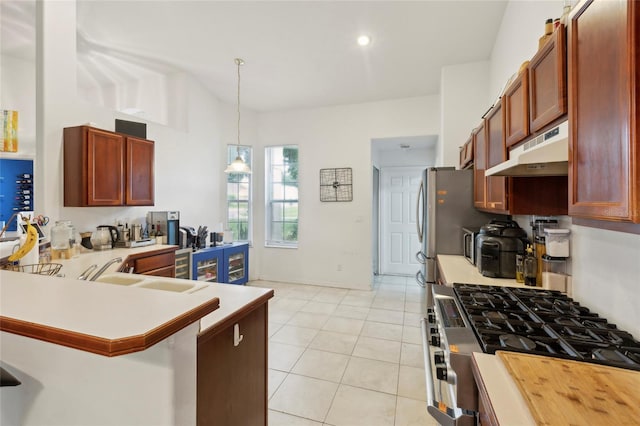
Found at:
[139, 172]
[206, 265]
[516, 109]
[479, 166]
[236, 264]
[604, 179]
[496, 195]
[104, 154]
[232, 375]
[548, 81]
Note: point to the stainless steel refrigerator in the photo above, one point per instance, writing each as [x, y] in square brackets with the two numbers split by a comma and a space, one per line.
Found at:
[444, 207]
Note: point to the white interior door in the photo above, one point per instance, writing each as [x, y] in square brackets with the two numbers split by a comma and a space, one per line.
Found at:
[399, 239]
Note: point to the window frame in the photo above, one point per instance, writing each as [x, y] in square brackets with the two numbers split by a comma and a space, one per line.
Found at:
[269, 200]
[232, 150]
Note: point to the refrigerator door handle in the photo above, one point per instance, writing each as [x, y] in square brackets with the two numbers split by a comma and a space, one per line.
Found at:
[419, 202]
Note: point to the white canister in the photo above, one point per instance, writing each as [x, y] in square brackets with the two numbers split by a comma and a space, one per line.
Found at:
[557, 242]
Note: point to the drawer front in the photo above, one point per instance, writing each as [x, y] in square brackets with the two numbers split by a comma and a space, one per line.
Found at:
[155, 262]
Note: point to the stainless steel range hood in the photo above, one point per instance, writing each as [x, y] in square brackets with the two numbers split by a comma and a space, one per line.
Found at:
[544, 155]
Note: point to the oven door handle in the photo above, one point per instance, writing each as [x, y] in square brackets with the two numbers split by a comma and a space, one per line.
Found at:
[446, 416]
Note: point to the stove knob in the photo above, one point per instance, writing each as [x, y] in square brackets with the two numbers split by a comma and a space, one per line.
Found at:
[441, 371]
[433, 330]
[438, 357]
[431, 316]
[435, 339]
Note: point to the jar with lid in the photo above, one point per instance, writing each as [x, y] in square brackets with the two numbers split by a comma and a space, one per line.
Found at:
[554, 275]
[557, 242]
[61, 235]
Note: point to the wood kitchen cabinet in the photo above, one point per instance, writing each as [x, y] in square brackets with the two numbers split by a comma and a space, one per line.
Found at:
[103, 168]
[604, 100]
[232, 371]
[548, 82]
[161, 263]
[479, 166]
[515, 102]
[541, 195]
[496, 199]
[466, 154]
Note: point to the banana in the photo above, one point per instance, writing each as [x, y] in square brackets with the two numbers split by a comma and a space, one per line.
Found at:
[30, 242]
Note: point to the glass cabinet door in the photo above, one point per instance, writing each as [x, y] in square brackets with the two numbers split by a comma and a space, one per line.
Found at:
[236, 267]
[207, 270]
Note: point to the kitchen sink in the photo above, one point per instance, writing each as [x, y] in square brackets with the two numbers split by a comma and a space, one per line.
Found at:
[167, 286]
[120, 279]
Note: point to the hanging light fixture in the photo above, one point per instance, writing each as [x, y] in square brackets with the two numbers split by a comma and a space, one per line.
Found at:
[238, 165]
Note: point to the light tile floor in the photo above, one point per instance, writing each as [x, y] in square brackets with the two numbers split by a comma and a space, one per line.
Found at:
[342, 357]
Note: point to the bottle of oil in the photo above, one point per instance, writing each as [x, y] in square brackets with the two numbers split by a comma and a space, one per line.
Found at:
[530, 267]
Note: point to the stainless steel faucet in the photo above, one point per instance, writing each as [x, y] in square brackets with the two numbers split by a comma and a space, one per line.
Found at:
[85, 274]
[104, 268]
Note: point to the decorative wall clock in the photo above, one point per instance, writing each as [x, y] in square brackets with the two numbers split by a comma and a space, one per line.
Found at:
[336, 184]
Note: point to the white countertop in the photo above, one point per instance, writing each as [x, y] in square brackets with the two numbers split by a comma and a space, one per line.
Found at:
[508, 403]
[457, 269]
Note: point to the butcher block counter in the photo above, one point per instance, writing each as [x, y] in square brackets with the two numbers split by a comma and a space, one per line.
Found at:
[524, 389]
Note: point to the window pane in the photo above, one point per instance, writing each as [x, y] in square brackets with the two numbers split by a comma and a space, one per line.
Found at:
[291, 192]
[291, 232]
[277, 191]
[277, 173]
[277, 213]
[239, 209]
[291, 212]
[276, 231]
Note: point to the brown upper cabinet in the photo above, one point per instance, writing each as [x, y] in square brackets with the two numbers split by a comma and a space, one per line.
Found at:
[479, 166]
[604, 96]
[496, 186]
[537, 97]
[548, 82]
[466, 154]
[516, 109]
[103, 168]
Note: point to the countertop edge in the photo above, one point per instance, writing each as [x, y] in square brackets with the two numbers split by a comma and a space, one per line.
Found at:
[104, 346]
[223, 323]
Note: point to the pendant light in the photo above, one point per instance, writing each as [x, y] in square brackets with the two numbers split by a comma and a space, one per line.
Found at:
[238, 165]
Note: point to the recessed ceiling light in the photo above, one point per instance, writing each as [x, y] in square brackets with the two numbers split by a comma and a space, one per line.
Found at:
[364, 40]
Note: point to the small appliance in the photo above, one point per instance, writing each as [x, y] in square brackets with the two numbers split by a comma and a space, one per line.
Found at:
[497, 245]
[469, 235]
[169, 222]
[187, 237]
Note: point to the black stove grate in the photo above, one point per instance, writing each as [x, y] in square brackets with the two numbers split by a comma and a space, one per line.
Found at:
[544, 322]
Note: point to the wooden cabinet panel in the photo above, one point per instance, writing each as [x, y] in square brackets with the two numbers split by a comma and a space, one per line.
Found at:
[516, 109]
[548, 81]
[232, 379]
[496, 186]
[161, 263]
[93, 168]
[466, 153]
[103, 168]
[139, 172]
[479, 166]
[604, 87]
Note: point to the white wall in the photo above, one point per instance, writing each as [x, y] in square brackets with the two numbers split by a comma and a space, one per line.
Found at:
[188, 162]
[18, 82]
[605, 264]
[464, 96]
[332, 234]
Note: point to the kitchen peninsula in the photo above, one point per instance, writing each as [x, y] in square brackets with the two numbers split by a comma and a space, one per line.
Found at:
[103, 353]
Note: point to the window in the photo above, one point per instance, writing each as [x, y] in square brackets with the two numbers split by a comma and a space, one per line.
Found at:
[239, 195]
[281, 194]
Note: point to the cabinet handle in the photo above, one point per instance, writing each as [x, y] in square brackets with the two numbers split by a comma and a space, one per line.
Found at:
[237, 337]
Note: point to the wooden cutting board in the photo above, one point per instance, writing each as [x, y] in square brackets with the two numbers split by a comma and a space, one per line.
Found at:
[567, 392]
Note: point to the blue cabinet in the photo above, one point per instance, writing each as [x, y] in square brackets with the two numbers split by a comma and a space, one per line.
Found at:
[222, 264]
[236, 263]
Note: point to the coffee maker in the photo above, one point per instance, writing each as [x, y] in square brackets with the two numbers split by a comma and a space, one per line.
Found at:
[169, 222]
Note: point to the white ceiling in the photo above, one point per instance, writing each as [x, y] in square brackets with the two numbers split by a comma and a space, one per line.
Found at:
[298, 54]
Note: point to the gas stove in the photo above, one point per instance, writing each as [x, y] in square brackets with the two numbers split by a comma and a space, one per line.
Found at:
[544, 322]
[470, 318]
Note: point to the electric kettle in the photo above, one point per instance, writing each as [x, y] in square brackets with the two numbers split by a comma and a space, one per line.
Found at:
[105, 237]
